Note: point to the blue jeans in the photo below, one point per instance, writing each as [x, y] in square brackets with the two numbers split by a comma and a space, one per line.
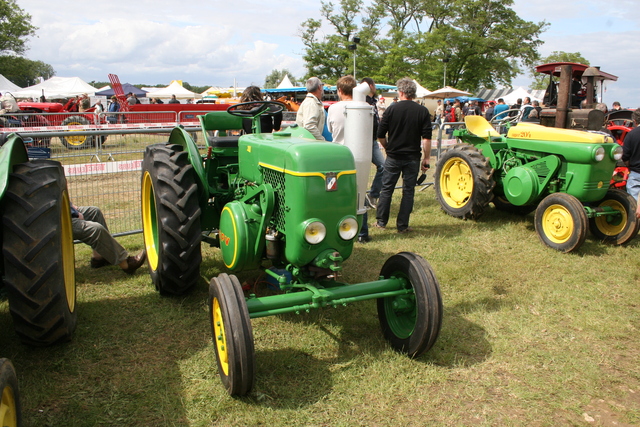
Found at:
[377, 158]
[633, 184]
[393, 168]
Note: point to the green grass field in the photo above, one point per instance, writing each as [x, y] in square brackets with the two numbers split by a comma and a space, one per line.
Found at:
[530, 337]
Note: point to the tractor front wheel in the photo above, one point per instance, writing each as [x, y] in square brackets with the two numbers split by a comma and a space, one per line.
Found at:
[411, 322]
[10, 413]
[38, 253]
[561, 222]
[232, 334]
[616, 229]
[171, 219]
[463, 182]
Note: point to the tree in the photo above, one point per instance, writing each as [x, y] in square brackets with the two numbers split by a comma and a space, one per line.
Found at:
[15, 27]
[484, 41]
[540, 81]
[273, 79]
[24, 72]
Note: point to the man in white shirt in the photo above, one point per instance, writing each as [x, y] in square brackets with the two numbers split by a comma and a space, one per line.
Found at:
[336, 113]
[311, 112]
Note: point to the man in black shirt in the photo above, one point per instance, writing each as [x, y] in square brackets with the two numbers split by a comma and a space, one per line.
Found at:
[631, 156]
[404, 131]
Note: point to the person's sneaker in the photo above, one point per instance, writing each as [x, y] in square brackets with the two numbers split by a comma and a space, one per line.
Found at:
[364, 239]
[405, 230]
[99, 262]
[135, 262]
[372, 202]
[378, 225]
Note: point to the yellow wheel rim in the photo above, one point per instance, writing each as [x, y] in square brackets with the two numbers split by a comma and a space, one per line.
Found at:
[75, 140]
[149, 223]
[220, 336]
[612, 225]
[68, 253]
[557, 223]
[456, 182]
[8, 415]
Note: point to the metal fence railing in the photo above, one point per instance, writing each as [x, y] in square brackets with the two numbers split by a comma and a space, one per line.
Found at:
[107, 172]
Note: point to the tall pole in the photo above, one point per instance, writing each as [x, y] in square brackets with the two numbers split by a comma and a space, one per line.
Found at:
[444, 77]
[354, 65]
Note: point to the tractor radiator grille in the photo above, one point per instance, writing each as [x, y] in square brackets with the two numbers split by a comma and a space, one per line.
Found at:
[276, 179]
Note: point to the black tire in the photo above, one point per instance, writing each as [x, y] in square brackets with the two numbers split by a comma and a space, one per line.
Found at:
[620, 229]
[232, 335]
[561, 222]
[38, 253]
[502, 204]
[464, 182]
[411, 322]
[10, 411]
[171, 219]
[78, 142]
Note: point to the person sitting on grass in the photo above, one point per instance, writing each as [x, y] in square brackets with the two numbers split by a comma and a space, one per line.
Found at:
[89, 226]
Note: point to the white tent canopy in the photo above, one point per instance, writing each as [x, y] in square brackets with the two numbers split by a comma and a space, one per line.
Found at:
[285, 83]
[7, 86]
[176, 89]
[57, 87]
[421, 92]
[521, 93]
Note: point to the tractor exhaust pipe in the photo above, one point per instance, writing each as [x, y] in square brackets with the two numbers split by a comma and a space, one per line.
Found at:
[358, 136]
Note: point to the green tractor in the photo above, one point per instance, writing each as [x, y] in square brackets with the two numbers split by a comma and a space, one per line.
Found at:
[561, 174]
[282, 200]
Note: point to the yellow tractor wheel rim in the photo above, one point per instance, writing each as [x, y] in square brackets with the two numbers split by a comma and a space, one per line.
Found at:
[149, 223]
[557, 223]
[68, 252]
[612, 225]
[75, 140]
[220, 336]
[456, 182]
[8, 416]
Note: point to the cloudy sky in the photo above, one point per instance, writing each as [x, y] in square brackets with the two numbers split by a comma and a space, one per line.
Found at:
[214, 42]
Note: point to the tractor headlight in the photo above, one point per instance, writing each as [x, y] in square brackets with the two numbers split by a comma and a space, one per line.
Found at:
[315, 232]
[616, 153]
[599, 154]
[348, 228]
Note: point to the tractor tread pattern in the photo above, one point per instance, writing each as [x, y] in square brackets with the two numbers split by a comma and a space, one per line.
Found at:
[34, 268]
[178, 218]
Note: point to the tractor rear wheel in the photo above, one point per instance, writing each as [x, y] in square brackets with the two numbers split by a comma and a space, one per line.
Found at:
[232, 334]
[561, 222]
[39, 254]
[463, 182]
[10, 413]
[78, 142]
[171, 219]
[411, 322]
[616, 229]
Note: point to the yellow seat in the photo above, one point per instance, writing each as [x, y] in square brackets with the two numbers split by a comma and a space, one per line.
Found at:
[479, 126]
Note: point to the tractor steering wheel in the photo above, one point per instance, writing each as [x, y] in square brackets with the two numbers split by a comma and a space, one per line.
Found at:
[256, 108]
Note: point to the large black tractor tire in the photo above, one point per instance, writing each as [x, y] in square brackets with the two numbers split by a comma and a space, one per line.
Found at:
[561, 222]
[38, 253]
[171, 219]
[502, 204]
[411, 322]
[78, 142]
[10, 412]
[618, 229]
[232, 335]
[464, 182]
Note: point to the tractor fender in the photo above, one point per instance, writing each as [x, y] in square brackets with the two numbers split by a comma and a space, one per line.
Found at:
[12, 153]
[182, 137]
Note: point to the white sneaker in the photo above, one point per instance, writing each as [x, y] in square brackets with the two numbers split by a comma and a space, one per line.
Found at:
[372, 202]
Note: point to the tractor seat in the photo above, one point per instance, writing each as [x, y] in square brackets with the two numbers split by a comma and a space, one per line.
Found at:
[222, 141]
